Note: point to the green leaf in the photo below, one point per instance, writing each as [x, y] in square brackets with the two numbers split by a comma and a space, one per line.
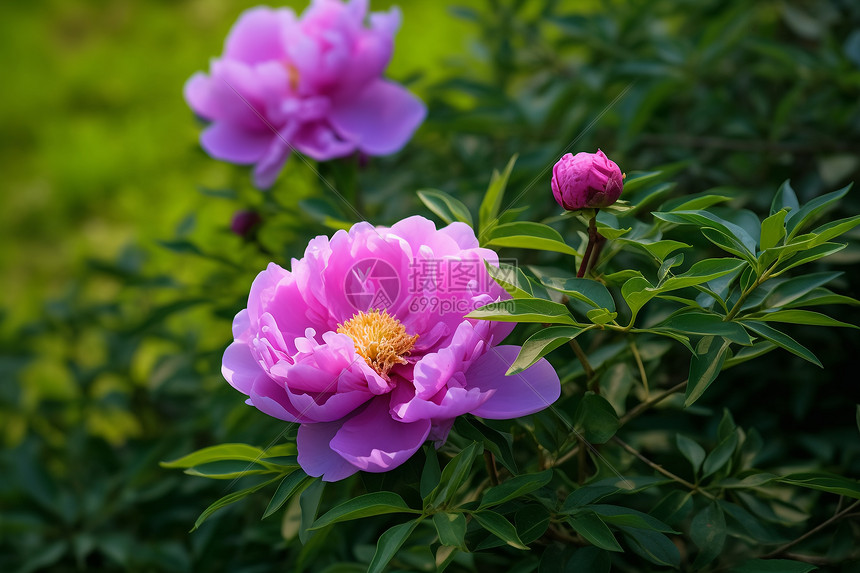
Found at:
[636, 292]
[834, 229]
[589, 291]
[600, 489]
[728, 244]
[706, 219]
[592, 528]
[820, 296]
[668, 265]
[802, 317]
[720, 456]
[694, 453]
[595, 418]
[773, 566]
[600, 315]
[626, 517]
[524, 310]
[638, 180]
[773, 230]
[241, 452]
[542, 343]
[377, 503]
[230, 498]
[706, 324]
[454, 474]
[797, 219]
[858, 417]
[431, 473]
[708, 532]
[824, 482]
[528, 235]
[792, 289]
[809, 255]
[705, 366]
[451, 528]
[228, 469]
[785, 198]
[514, 488]
[498, 443]
[511, 278]
[309, 502]
[782, 340]
[694, 202]
[445, 206]
[492, 202]
[389, 543]
[288, 487]
[532, 522]
[653, 546]
[500, 527]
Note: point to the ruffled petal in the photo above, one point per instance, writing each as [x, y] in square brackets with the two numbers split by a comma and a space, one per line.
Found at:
[240, 368]
[270, 398]
[380, 119]
[316, 456]
[525, 393]
[198, 95]
[374, 442]
[257, 35]
[230, 143]
[270, 165]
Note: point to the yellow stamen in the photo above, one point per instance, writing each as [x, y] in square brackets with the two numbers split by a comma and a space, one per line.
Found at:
[379, 338]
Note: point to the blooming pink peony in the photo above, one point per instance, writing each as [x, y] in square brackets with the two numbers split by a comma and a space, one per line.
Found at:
[586, 181]
[365, 344]
[317, 80]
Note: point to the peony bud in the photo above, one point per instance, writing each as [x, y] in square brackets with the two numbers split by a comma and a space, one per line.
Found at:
[586, 181]
[244, 222]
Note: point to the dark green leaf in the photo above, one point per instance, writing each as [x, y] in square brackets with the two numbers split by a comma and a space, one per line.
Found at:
[515, 487]
[653, 546]
[785, 198]
[705, 366]
[595, 418]
[708, 532]
[706, 324]
[626, 517]
[388, 544]
[528, 235]
[720, 456]
[782, 340]
[500, 527]
[532, 522]
[802, 317]
[309, 501]
[524, 310]
[454, 474]
[797, 219]
[512, 279]
[445, 206]
[590, 560]
[542, 343]
[773, 230]
[377, 503]
[592, 528]
[242, 452]
[230, 498]
[451, 528]
[588, 291]
[288, 487]
[492, 202]
[694, 453]
[824, 482]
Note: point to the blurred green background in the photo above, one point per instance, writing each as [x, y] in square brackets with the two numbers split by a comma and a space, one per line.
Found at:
[120, 276]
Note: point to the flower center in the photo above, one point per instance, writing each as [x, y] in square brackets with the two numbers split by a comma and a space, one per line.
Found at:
[379, 338]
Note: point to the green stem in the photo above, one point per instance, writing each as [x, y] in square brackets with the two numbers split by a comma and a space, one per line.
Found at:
[631, 450]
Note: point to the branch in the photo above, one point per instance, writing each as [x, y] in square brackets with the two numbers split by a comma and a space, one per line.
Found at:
[813, 531]
[630, 449]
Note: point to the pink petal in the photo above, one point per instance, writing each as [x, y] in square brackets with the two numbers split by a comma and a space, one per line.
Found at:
[519, 395]
[229, 143]
[316, 456]
[240, 368]
[270, 165]
[198, 95]
[380, 119]
[374, 442]
[270, 398]
[257, 35]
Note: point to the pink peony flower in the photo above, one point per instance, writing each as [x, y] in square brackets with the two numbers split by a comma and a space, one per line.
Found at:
[317, 80]
[364, 343]
[586, 181]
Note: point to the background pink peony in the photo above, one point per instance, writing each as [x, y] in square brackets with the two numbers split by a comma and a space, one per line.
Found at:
[312, 83]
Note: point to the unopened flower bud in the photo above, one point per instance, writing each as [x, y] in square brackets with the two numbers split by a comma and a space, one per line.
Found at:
[244, 222]
[586, 181]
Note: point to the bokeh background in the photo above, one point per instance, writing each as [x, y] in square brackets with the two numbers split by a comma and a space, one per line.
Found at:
[120, 275]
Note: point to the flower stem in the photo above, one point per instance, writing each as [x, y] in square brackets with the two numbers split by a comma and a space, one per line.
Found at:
[593, 238]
